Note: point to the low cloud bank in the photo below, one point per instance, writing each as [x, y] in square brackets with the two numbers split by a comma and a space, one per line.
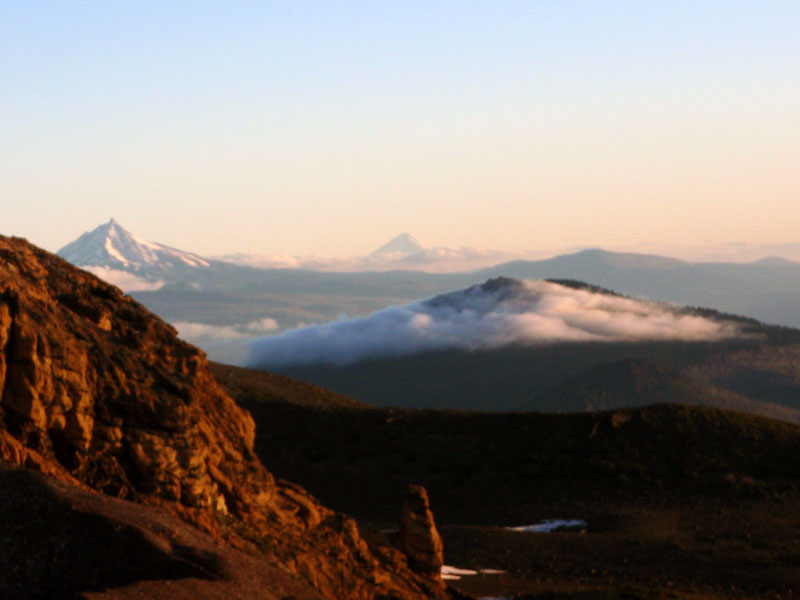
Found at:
[433, 260]
[498, 313]
[127, 282]
[225, 343]
[441, 259]
[192, 332]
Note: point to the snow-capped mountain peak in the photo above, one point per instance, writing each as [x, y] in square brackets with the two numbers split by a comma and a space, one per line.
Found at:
[112, 246]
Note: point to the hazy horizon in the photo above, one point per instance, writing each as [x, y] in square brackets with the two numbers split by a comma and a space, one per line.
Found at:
[465, 257]
[328, 128]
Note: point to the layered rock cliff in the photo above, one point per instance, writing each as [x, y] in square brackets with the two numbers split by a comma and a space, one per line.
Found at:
[101, 394]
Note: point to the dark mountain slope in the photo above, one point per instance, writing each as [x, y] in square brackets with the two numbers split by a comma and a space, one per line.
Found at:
[633, 382]
[494, 468]
[516, 377]
[240, 384]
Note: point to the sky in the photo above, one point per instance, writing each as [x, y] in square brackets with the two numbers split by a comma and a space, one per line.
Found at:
[329, 127]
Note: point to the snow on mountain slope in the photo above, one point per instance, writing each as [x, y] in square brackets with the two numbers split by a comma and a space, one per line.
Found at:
[112, 247]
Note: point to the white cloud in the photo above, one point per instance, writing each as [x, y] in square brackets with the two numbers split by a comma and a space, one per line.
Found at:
[199, 332]
[443, 260]
[225, 343]
[498, 313]
[262, 325]
[433, 260]
[203, 331]
[127, 282]
[287, 261]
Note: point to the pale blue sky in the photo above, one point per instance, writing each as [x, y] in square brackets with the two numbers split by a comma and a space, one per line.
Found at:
[317, 127]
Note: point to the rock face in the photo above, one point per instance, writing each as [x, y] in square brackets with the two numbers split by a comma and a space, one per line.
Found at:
[419, 538]
[100, 393]
[95, 382]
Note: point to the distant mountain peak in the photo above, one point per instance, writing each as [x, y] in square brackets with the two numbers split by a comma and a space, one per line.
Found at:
[112, 246]
[404, 243]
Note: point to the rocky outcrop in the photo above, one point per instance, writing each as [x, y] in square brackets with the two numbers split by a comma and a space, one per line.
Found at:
[418, 536]
[97, 383]
[100, 393]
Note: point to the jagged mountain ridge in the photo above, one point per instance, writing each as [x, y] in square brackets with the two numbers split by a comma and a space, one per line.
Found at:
[100, 394]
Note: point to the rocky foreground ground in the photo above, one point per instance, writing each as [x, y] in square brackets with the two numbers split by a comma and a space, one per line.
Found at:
[128, 472]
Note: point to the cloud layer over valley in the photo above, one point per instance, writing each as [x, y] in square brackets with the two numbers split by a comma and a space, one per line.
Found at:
[225, 343]
[498, 313]
[432, 260]
[127, 282]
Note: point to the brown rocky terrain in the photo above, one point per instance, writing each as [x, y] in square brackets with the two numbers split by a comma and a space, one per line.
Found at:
[100, 395]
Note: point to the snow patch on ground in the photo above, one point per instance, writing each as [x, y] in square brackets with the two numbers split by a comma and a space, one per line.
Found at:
[491, 572]
[455, 573]
[550, 525]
